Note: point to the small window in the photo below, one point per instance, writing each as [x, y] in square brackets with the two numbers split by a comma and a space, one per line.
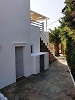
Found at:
[31, 48]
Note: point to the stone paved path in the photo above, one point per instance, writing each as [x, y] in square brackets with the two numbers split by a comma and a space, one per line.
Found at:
[51, 84]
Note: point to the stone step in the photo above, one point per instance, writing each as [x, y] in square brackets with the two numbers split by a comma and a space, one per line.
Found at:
[43, 48]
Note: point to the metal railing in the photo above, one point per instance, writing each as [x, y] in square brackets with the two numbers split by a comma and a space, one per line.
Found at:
[38, 24]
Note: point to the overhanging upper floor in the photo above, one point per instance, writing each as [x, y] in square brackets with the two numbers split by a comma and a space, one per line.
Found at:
[38, 20]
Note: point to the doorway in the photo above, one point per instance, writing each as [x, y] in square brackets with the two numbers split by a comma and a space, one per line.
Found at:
[19, 62]
[41, 63]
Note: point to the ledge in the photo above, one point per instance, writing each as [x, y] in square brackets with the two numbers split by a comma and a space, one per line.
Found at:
[71, 76]
[19, 43]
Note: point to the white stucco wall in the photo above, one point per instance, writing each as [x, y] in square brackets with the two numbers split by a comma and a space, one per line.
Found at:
[14, 28]
[35, 38]
[36, 61]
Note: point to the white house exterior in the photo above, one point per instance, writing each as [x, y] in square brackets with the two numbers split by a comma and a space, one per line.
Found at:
[35, 38]
[37, 55]
[16, 37]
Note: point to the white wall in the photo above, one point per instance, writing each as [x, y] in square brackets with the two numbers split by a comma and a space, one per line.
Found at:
[14, 27]
[46, 60]
[36, 61]
[35, 38]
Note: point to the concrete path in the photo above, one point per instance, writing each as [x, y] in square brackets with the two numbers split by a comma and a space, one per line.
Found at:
[51, 84]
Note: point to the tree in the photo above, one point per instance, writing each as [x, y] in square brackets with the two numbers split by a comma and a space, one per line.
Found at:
[54, 37]
[65, 32]
[69, 12]
[69, 28]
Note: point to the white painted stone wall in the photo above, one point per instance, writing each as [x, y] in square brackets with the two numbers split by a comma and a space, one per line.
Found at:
[35, 38]
[36, 61]
[14, 29]
[2, 97]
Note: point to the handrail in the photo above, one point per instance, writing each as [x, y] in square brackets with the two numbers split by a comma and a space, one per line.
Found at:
[45, 38]
[47, 43]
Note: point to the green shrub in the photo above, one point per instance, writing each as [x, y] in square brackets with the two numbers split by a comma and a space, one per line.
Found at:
[70, 52]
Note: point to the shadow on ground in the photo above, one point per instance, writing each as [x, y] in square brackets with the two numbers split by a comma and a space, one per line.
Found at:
[51, 84]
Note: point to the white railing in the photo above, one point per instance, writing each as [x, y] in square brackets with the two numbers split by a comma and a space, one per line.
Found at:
[45, 37]
[38, 24]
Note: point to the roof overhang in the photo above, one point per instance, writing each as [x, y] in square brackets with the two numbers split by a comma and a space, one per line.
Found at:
[37, 17]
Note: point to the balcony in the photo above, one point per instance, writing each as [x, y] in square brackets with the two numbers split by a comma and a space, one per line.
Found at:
[38, 24]
[38, 20]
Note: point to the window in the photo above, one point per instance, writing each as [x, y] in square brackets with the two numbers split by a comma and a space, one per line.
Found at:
[31, 48]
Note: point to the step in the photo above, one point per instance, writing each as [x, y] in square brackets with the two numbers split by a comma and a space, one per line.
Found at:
[45, 49]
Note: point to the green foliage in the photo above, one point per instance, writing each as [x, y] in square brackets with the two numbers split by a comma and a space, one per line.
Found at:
[68, 32]
[69, 12]
[54, 36]
[70, 51]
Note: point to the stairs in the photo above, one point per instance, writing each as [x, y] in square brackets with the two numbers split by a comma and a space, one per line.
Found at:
[43, 48]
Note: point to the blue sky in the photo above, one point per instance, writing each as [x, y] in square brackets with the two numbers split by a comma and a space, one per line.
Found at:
[49, 8]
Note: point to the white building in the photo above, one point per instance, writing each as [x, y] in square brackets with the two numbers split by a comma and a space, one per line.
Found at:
[17, 37]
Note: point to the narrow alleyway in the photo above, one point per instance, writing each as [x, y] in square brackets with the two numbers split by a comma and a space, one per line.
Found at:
[51, 84]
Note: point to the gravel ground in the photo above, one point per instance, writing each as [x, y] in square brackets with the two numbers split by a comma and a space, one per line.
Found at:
[51, 84]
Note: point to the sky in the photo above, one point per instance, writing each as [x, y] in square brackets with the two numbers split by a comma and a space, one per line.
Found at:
[49, 8]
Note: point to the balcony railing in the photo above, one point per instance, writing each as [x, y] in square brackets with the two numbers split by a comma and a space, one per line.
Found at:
[38, 24]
